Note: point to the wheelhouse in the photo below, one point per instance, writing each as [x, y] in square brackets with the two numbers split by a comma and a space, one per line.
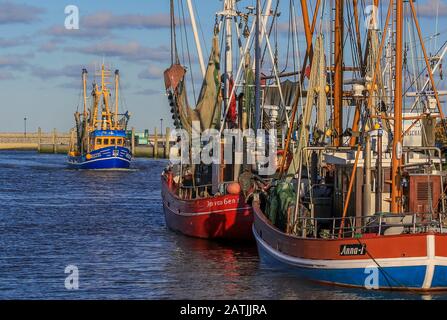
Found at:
[108, 138]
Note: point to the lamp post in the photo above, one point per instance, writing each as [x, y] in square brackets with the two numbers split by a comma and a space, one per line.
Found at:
[24, 121]
[161, 127]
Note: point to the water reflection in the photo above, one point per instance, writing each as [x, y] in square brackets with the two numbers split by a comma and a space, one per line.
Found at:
[111, 226]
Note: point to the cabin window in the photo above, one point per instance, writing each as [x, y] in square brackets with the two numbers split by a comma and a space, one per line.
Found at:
[112, 141]
[98, 141]
[106, 141]
[120, 141]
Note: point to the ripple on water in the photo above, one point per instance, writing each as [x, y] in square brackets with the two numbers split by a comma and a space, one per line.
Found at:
[110, 225]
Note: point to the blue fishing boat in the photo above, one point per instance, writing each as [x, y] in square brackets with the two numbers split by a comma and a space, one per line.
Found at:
[99, 140]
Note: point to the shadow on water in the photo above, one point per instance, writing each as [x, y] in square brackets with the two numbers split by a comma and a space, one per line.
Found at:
[110, 224]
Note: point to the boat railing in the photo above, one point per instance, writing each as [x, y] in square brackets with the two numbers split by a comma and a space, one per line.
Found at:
[201, 191]
[377, 224]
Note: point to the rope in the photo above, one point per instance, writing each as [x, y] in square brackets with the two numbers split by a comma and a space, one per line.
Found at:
[174, 52]
[384, 272]
[201, 29]
[188, 53]
[270, 31]
[288, 38]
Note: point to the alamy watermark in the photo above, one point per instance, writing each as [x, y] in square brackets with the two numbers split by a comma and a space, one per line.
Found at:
[371, 17]
[232, 146]
[72, 18]
[72, 280]
[372, 278]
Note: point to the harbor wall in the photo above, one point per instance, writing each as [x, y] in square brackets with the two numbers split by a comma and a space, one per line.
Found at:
[157, 146]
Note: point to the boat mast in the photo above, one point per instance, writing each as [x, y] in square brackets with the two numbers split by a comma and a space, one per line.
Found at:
[338, 72]
[307, 29]
[106, 122]
[229, 13]
[258, 66]
[298, 93]
[397, 138]
[196, 37]
[84, 85]
[117, 74]
[267, 13]
[174, 53]
[94, 115]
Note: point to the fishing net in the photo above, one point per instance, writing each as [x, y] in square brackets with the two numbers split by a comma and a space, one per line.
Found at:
[208, 108]
[282, 198]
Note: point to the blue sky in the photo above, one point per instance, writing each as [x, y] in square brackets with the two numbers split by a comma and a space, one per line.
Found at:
[40, 62]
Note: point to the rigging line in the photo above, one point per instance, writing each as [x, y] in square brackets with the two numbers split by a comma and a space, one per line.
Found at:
[299, 58]
[365, 35]
[270, 31]
[437, 25]
[358, 45]
[189, 54]
[323, 7]
[296, 102]
[328, 25]
[352, 42]
[174, 52]
[276, 44]
[200, 28]
[413, 56]
[80, 96]
[350, 36]
[384, 272]
[222, 34]
[288, 38]
[294, 38]
[181, 34]
[239, 31]
[295, 45]
[430, 37]
[263, 10]
[425, 68]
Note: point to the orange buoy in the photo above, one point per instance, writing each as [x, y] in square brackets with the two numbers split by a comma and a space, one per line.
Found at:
[234, 188]
[170, 179]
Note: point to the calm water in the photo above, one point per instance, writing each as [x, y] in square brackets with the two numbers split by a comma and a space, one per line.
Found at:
[110, 225]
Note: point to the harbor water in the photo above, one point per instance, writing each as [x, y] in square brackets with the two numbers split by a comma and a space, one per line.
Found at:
[110, 226]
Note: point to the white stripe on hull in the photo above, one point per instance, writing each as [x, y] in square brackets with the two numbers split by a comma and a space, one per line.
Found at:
[358, 263]
[193, 214]
[431, 261]
[95, 160]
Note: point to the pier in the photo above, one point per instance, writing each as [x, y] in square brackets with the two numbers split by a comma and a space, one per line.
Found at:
[149, 145]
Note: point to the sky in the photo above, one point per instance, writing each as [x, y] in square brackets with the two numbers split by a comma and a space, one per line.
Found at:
[41, 61]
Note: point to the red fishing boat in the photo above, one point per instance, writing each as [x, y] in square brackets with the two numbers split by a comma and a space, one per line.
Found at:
[224, 217]
[203, 199]
[209, 199]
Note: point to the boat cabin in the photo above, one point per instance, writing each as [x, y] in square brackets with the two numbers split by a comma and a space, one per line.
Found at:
[108, 138]
[421, 181]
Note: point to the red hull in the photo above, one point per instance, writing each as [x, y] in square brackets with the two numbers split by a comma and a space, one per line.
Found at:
[225, 217]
